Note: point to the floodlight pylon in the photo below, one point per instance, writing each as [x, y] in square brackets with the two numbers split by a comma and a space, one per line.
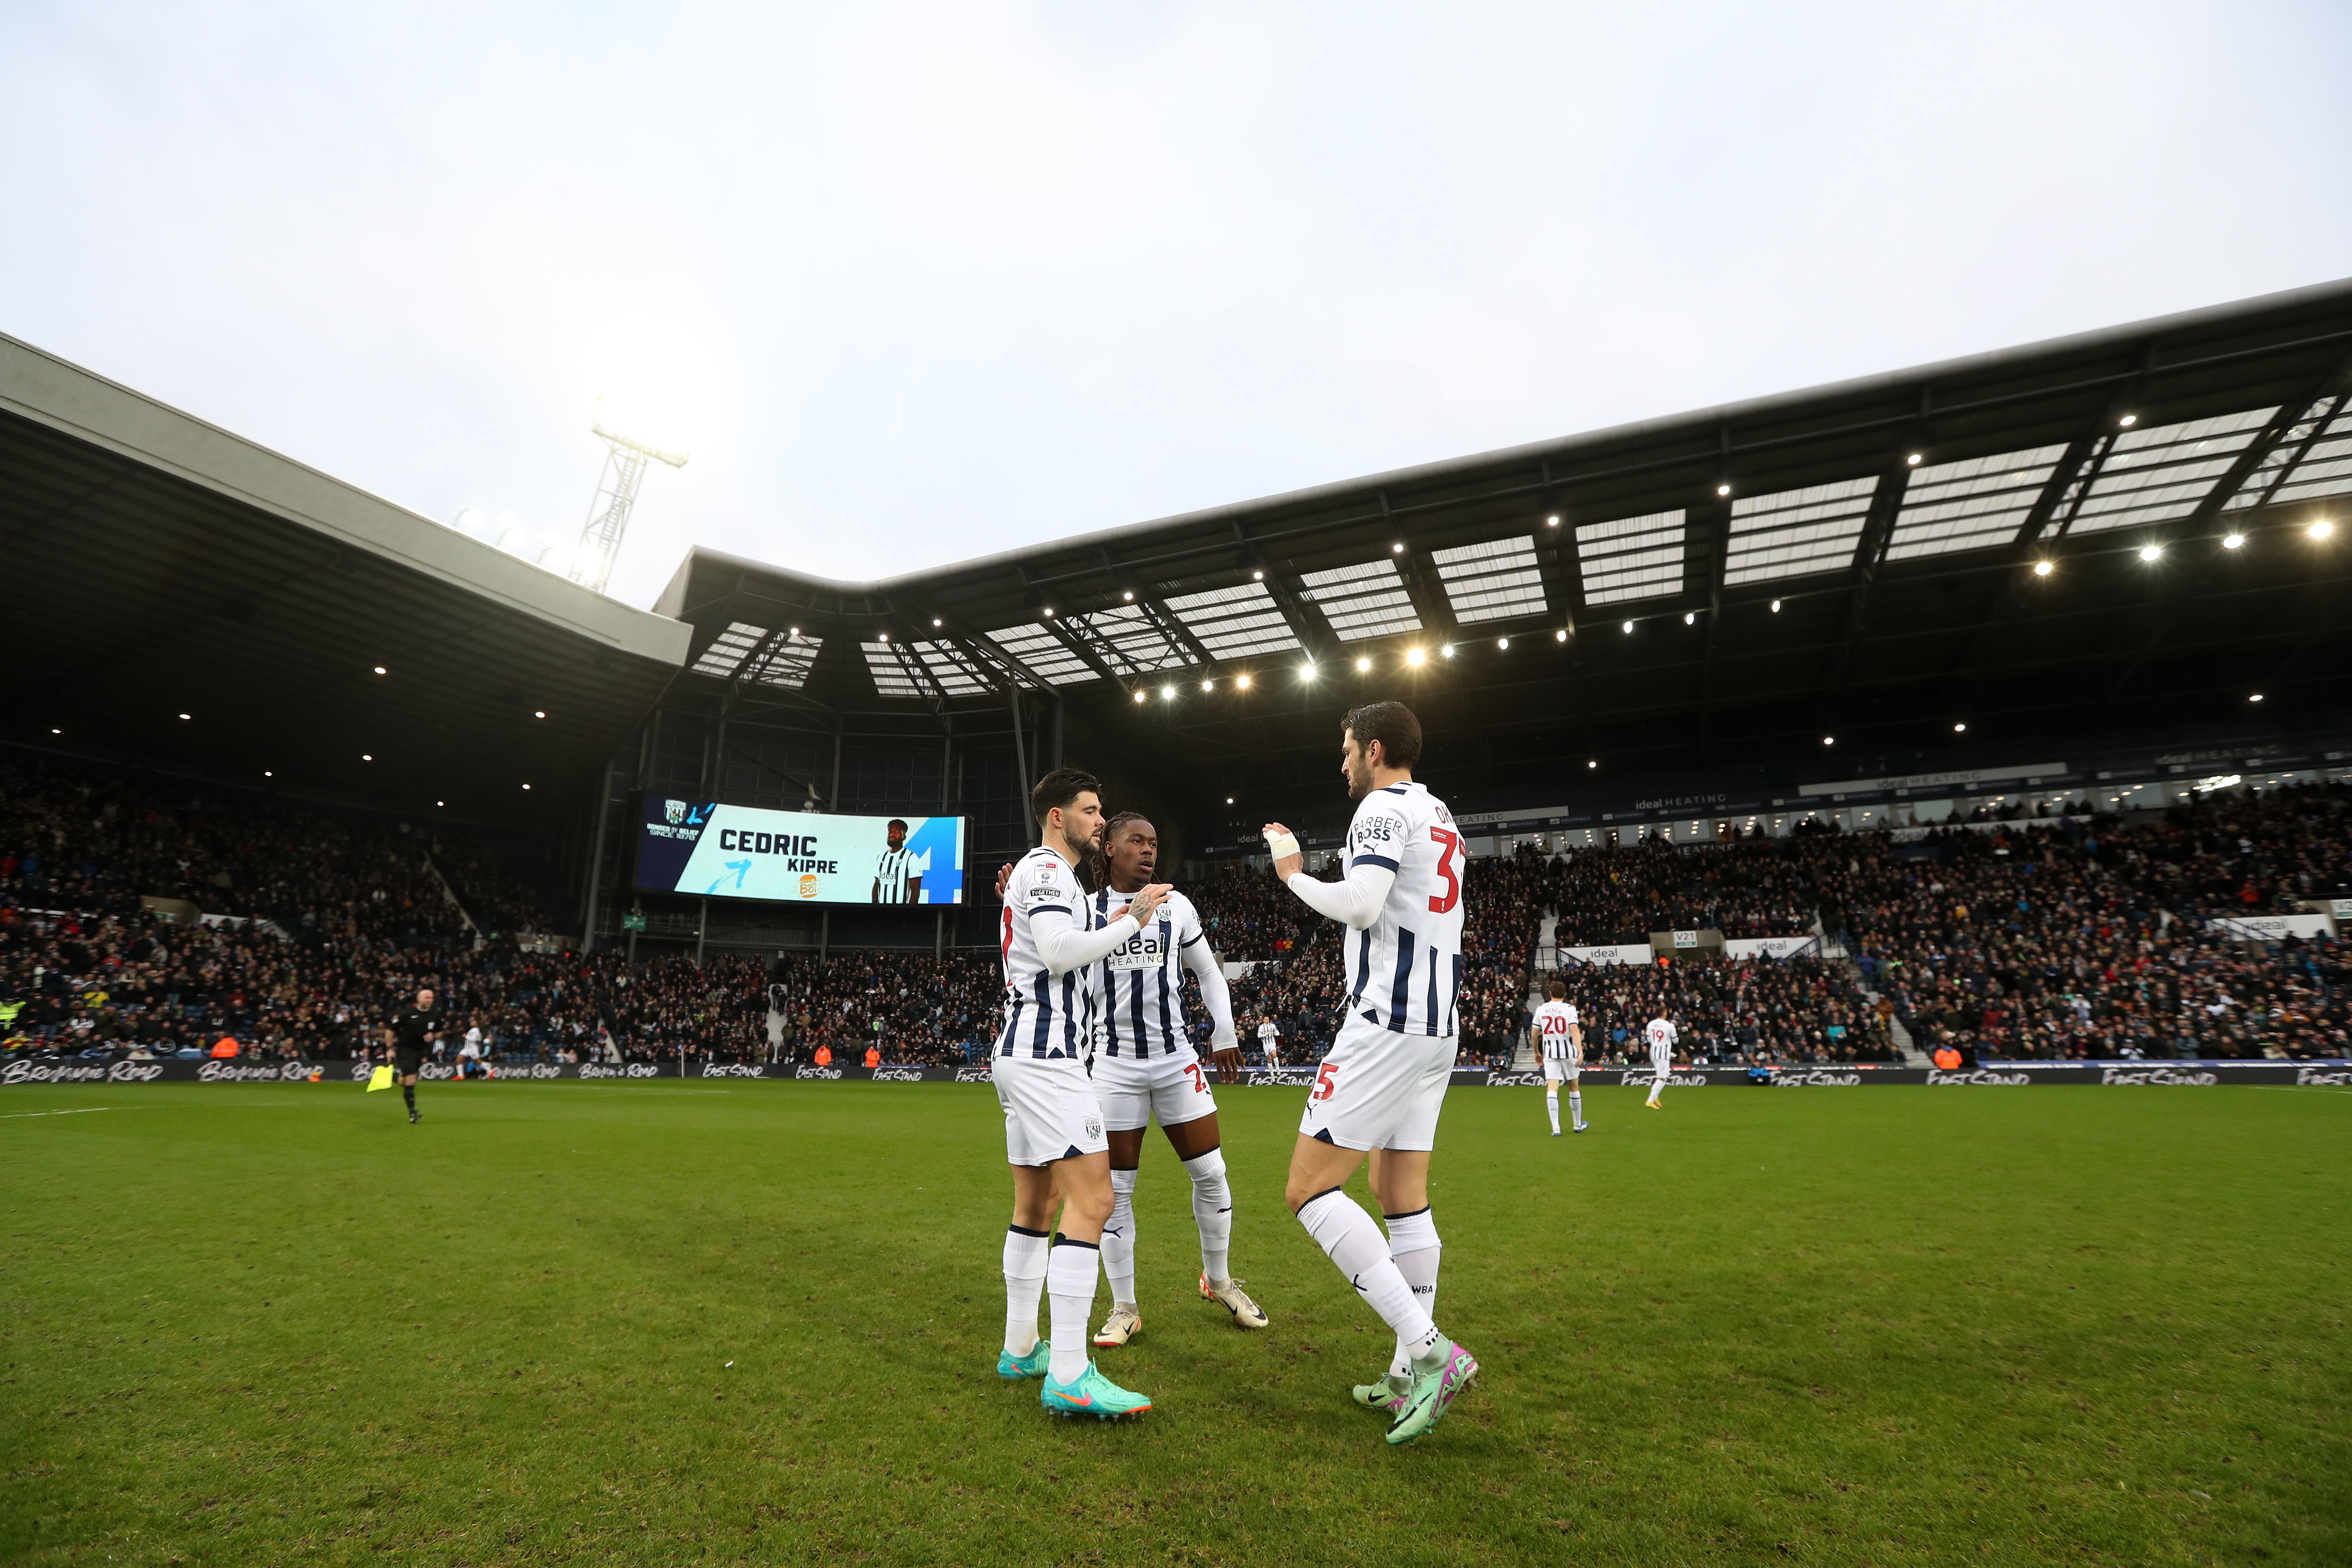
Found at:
[617, 496]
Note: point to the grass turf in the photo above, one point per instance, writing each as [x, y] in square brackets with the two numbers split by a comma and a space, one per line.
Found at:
[249, 1324]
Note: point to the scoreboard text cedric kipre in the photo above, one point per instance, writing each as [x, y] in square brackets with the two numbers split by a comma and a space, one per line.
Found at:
[794, 857]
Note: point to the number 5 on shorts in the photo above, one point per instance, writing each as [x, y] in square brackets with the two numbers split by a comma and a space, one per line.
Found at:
[1323, 1082]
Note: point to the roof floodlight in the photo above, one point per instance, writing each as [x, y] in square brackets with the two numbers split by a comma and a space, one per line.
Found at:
[1776, 606]
[2128, 420]
[1913, 459]
[1960, 729]
[1208, 686]
[367, 757]
[2321, 529]
[1629, 626]
[1396, 548]
[1560, 635]
[183, 715]
[1046, 611]
[2042, 569]
[2151, 552]
[1690, 617]
[379, 669]
[526, 787]
[885, 636]
[1723, 489]
[1128, 596]
[1167, 694]
[1503, 642]
[1447, 651]
[1414, 655]
[1306, 672]
[1257, 576]
[1362, 664]
[1553, 521]
[267, 773]
[1829, 739]
[440, 803]
[792, 631]
[2232, 541]
[2256, 696]
[1592, 764]
[937, 622]
[1139, 697]
[539, 712]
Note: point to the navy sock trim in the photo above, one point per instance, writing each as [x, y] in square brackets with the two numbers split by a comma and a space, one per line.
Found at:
[1407, 1214]
[1023, 1230]
[1321, 1196]
[1202, 1155]
[1074, 1241]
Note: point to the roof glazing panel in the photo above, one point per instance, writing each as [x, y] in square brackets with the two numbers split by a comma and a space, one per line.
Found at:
[952, 668]
[1236, 622]
[1792, 532]
[1970, 504]
[1630, 557]
[1497, 581]
[1043, 652]
[1134, 644]
[1363, 601]
[2316, 457]
[2160, 473]
[891, 677]
[728, 648]
[786, 662]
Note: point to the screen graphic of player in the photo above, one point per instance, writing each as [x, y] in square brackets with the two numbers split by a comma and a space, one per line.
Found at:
[1380, 1087]
[1144, 1067]
[898, 874]
[1054, 941]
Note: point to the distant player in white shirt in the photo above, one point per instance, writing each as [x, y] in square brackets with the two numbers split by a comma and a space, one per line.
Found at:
[1269, 1044]
[1144, 1066]
[898, 873]
[1561, 1040]
[1661, 1036]
[1380, 1087]
[1054, 1139]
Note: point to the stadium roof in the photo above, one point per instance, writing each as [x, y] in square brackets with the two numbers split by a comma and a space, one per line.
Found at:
[158, 566]
[1803, 554]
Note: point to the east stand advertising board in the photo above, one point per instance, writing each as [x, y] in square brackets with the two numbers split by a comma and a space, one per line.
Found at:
[1993, 1074]
[796, 856]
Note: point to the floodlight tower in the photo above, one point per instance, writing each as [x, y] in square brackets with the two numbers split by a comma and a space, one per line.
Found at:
[616, 493]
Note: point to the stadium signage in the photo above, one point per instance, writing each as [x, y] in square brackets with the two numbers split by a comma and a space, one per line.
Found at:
[1815, 1078]
[718, 851]
[1958, 778]
[1986, 1077]
[2158, 1076]
[2314, 1077]
[897, 1075]
[252, 1072]
[624, 1070]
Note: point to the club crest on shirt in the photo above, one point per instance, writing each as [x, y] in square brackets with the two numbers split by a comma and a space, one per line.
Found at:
[1093, 1128]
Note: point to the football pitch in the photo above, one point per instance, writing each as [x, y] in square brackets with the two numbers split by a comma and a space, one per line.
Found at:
[751, 1322]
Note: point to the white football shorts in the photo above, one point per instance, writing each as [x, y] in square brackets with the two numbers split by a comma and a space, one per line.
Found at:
[1378, 1089]
[1560, 1069]
[1662, 1062]
[1050, 1109]
[1133, 1091]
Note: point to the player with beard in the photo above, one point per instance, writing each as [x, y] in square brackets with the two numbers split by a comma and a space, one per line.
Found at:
[1380, 1087]
[1054, 940]
[1144, 1067]
[407, 1036]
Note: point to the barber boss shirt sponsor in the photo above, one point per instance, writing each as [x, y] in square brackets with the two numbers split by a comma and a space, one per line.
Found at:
[1046, 1014]
[1141, 985]
[1404, 970]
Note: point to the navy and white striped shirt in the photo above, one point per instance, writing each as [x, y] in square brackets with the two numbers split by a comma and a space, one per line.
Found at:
[1140, 986]
[1404, 970]
[1046, 1014]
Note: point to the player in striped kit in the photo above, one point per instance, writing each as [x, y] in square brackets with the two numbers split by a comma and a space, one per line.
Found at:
[1144, 1066]
[1380, 1087]
[1561, 1040]
[1661, 1036]
[898, 871]
[1052, 940]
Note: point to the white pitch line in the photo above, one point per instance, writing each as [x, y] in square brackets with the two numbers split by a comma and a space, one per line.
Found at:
[78, 1111]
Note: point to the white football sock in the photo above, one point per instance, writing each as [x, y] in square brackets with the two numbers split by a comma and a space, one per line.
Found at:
[1575, 1109]
[1658, 1086]
[1119, 1239]
[1024, 1277]
[1551, 1106]
[1414, 1248]
[1212, 1211]
[1354, 1244]
[1071, 1275]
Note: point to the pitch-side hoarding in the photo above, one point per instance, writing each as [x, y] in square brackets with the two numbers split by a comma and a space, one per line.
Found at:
[792, 857]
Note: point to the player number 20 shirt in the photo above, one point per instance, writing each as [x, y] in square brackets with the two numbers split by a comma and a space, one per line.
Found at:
[1553, 1022]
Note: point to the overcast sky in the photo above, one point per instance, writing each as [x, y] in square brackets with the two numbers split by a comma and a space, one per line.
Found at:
[916, 283]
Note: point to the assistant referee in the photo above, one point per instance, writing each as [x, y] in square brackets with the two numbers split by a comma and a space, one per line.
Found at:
[407, 1035]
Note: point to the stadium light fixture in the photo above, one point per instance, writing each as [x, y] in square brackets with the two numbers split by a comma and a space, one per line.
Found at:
[526, 787]
[539, 712]
[1306, 672]
[1414, 655]
[937, 622]
[1960, 729]
[2128, 420]
[57, 731]
[1629, 628]
[2232, 541]
[1397, 549]
[2042, 569]
[885, 635]
[380, 670]
[1257, 576]
[2255, 697]
[1553, 521]
[1139, 697]
[1208, 686]
[367, 756]
[1723, 489]
[267, 773]
[1503, 643]
[2151, 552]
[1242, 681]
[792, 631]
[1592, 764]
[1690, 617]
[1229, 800]
[1829, 739]
[1559, 634]
[1167, 694]
[1447, 652]
[1776, 606]
[1914, 458]
[1362, 665]
[183, 715]
[440, 803]
[2321, 529]
[1128, 596]
[1048, 612]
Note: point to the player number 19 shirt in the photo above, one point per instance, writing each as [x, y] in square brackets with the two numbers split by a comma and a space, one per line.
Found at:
[1404, 970]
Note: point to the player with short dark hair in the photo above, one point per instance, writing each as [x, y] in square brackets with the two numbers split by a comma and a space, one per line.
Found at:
[1382, 1086]
[407, 1036]
[898, 872]
[1054, 937]
[1561, 1038]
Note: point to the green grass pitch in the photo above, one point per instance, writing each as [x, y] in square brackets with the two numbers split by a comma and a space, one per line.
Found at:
[279, 1325]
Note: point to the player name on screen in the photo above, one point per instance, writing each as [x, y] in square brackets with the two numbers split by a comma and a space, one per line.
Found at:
[741, 852]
